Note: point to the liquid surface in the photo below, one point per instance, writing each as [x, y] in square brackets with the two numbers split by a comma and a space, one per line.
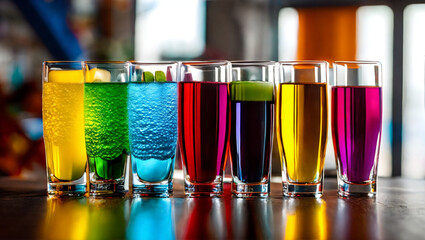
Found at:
[203, 129]
[106, 127]
[301, 120]
[152, 112]
[63, 125]
[356, 129]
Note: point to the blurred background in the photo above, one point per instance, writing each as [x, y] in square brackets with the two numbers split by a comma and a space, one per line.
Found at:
[390, 31]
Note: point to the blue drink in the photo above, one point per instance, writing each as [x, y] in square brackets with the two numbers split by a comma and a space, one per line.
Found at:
[151, 218]
[152, 114]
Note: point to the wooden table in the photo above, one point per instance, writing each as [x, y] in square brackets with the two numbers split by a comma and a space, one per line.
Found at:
[398, 212]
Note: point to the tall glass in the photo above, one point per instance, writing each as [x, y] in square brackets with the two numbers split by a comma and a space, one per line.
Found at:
[152, 123]
[251, 134]
[106, 126]
[203, 123]
[357, 125]
[63, 126]
[302, 123]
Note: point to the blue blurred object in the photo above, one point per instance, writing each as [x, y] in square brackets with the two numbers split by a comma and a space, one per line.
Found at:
[33, 128]
[17, 77]
[48, 19]
[151, 219]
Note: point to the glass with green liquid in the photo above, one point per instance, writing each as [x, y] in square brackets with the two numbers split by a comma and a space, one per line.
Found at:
[106, 126]
[251, 131]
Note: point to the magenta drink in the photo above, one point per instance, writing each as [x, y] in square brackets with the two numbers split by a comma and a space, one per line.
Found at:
[203, 125]
[356, 129]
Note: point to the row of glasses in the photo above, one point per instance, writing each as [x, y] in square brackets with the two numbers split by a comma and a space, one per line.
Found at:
[95, 114]
[103, 112]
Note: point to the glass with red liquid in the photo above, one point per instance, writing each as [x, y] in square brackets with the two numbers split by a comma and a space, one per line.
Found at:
[357, 125]
[251, 130]
[203, 125]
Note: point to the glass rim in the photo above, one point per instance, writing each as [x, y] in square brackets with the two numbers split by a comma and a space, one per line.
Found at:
[70, 64]
[302, 62]
[137, 63]
[243, 63]
[352, 65]
[359, 62]
[206, 63]
[104, 62]
[55, 61]
[111, 65]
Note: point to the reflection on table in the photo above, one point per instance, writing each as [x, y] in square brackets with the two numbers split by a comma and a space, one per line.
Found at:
[396, 213]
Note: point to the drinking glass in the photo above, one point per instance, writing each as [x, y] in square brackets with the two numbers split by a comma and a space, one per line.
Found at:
[251, 129]
[203, 125]
[302, 123]
[106, 126]
[357, 125]
[152, 123]
[63, 126]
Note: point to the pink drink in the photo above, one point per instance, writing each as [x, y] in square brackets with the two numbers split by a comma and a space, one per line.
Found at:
[356, 130]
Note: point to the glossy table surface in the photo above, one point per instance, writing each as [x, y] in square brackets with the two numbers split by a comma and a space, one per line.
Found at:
[398, 212]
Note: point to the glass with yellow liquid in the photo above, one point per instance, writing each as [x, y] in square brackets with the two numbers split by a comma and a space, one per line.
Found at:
[302, 125]
[63, 126]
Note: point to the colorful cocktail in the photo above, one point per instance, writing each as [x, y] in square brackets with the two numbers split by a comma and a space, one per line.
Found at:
[357, 125]
[63, 125]
[301, 125]
[252, 108]
[152, 112]
[203, 121]
[106, 126]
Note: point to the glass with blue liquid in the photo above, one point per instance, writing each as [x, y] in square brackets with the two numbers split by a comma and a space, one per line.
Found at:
[152, 116]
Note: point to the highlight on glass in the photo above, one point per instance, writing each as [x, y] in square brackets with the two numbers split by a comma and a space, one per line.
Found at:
[301, 125]
[106, 126]
[251, 134]
[203, 125]
[63, 126]
[357, 125]
[152, 123]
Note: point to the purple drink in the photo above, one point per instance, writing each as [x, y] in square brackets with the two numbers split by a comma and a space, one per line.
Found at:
[356, 130]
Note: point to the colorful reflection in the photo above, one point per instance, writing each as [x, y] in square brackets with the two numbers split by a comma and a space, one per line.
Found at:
[66, 219]
[305, 219]
[357, 219]
[151, 219]
[107, 218]
[205, 217]
[252, 219]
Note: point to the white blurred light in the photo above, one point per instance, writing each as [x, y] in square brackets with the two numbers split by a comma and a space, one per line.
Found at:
[167, 28]
[413, 160]
[288, 33]
[374, 42]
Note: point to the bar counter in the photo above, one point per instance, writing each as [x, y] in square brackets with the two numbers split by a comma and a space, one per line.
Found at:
[398, 212]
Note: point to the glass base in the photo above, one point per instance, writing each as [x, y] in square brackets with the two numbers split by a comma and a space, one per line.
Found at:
[246, 190]
[74, 190]
[303, 190]
[163, 189]
[214, 189]
[107, 189]
[356, 190]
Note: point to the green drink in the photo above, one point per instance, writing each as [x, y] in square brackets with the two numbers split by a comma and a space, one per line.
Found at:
[106, 126]
[106, 129]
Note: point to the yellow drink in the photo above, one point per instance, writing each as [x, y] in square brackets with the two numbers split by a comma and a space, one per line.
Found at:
[301, 121]
[66, 219]
[306, 212]
[63, 125]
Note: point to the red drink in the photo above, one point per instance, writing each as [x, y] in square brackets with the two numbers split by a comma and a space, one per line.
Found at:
[203, 127]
